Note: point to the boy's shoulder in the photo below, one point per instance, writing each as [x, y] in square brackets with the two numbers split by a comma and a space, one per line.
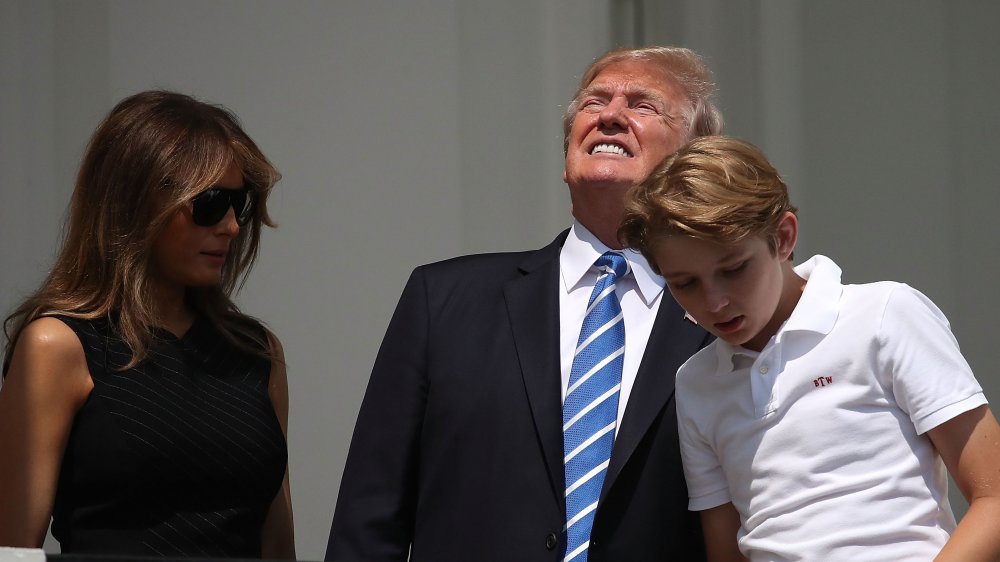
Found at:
[703, 363]
[879, 296]
[826, 291]
[874, 288]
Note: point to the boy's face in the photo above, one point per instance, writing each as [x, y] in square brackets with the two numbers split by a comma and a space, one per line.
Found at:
[735, 291]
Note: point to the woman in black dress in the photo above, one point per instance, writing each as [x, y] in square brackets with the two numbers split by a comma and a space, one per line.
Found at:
[141, 411]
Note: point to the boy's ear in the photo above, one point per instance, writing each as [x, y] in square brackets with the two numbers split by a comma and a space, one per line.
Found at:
[787, 235]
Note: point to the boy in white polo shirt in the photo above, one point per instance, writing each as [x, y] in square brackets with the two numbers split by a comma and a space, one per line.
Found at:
[820, 424]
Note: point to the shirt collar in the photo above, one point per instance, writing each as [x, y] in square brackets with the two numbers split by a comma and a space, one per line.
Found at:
[581, 249]
[726, 354]
[819, 306]
[816, 311]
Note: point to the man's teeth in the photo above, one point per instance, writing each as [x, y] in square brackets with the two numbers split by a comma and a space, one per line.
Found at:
[610, 149]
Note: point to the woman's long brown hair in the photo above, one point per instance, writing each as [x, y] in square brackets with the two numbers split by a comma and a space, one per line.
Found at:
[151, 155]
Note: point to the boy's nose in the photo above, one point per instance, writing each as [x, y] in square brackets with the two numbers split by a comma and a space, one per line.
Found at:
[716, 301]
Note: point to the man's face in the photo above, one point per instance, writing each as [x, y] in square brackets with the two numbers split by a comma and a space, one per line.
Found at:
[628, 120]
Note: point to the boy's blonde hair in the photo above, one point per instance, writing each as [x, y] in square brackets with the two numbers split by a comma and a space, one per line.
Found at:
[715, 188]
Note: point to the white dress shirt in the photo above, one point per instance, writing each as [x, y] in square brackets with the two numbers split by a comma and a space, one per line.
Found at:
[639, 294]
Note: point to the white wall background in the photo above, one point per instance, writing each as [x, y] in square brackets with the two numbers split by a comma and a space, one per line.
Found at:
[414, 131]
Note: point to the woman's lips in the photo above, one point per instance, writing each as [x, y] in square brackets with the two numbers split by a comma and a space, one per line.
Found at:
[215, 257]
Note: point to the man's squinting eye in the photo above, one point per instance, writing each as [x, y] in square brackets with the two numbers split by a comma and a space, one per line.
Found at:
[646, 107]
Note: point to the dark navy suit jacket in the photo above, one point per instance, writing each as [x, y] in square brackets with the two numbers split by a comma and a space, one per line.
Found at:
[457, 452]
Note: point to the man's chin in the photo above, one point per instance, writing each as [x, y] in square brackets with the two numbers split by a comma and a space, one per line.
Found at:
[609, 181]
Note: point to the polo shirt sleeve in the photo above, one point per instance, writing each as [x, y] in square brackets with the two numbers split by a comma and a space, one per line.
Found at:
[706, 482]
[930, 379]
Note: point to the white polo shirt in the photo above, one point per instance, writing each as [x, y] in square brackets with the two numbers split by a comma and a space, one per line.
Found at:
[819, 440]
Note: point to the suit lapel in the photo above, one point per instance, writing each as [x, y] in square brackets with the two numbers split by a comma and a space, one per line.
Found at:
[533, 307]
[672, 340]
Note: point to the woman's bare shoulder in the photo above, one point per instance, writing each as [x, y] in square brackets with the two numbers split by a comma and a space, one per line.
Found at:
[47, 352]
[52, 336]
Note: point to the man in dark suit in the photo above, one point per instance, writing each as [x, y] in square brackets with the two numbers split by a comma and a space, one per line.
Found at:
[458, 453]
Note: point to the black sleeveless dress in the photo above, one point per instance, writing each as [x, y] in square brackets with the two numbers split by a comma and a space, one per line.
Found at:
[179, 456]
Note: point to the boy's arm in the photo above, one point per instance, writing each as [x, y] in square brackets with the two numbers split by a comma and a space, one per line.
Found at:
[969, 444]
[721, 525]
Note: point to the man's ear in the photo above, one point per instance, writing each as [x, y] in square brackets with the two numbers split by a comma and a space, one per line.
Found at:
[786, 235]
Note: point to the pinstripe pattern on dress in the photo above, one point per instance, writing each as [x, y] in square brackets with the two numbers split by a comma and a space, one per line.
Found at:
[178, 456]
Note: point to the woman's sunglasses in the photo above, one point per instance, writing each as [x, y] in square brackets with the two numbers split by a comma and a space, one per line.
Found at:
[211, 205]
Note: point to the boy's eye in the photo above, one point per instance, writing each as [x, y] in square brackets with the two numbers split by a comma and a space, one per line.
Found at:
[736, 269]
[682, 285]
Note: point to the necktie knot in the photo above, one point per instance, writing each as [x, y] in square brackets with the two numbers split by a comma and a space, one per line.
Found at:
[613, 262]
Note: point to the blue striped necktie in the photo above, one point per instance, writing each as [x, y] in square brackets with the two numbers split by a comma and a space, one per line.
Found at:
[590, 411]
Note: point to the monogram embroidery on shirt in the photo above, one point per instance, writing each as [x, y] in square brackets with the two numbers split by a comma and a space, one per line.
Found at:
[823, 381]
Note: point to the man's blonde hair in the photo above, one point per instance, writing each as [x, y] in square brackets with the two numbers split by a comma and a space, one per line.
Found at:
[715, 188]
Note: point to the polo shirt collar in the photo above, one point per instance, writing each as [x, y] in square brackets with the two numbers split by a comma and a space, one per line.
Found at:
[816, 311]
[726, 354]
[819, 306]
[581, 249]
